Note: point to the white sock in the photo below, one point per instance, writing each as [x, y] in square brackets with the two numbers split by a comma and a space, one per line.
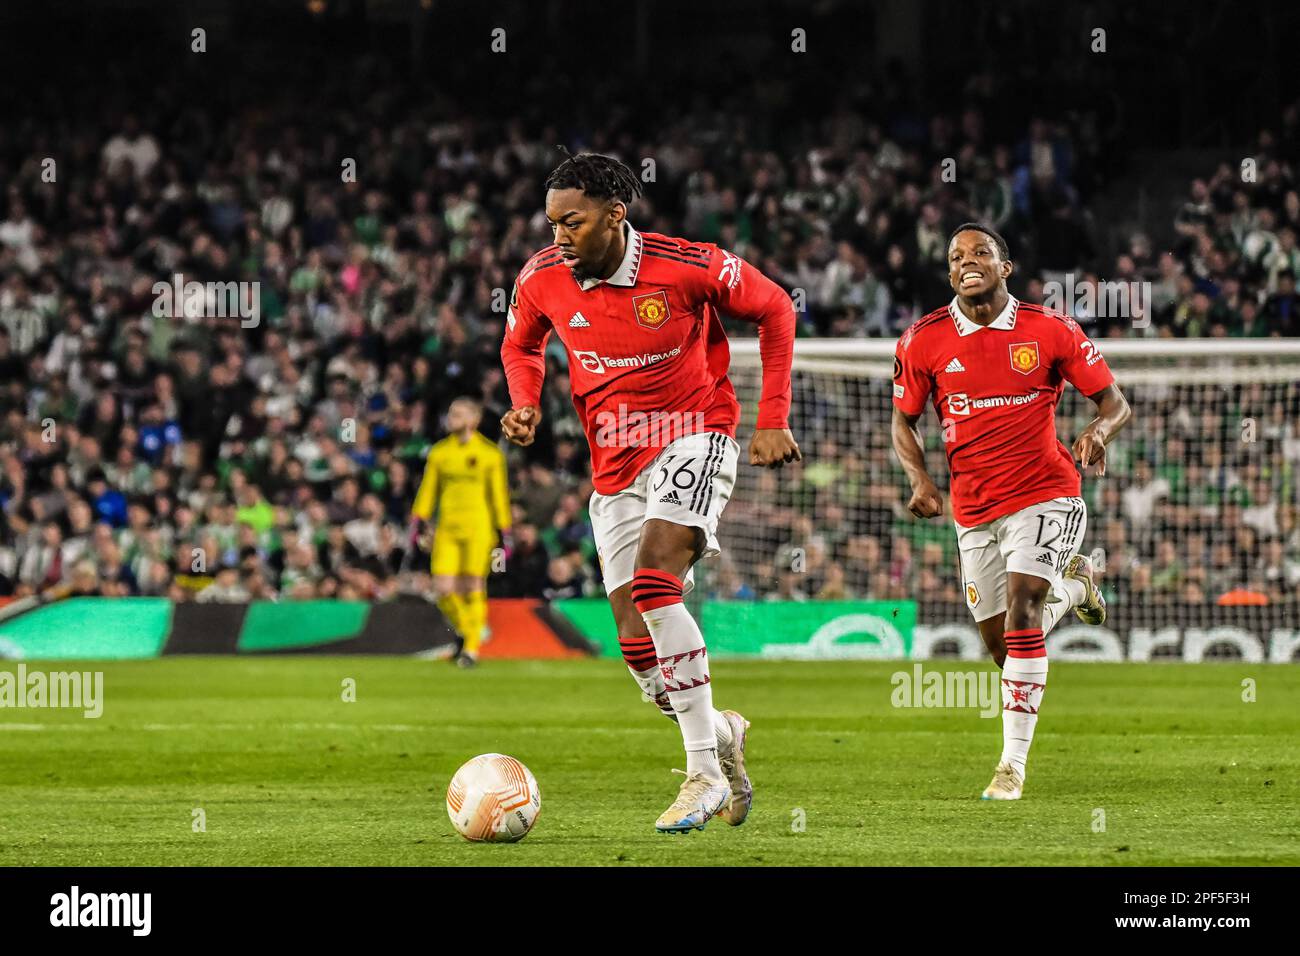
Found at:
[1023, 681]
[651, 683]
[704, 762]
[652, 689]
[1071, 592]
[684, 663]
[722, 731]
[685, 668]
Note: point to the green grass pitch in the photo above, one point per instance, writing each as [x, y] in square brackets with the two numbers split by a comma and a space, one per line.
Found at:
[288, 773]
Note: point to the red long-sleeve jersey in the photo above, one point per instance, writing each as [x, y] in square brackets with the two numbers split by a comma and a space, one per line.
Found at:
[995, 388]
[648, 355]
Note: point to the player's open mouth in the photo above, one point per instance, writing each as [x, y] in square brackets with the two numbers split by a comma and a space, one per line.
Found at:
[970, 278]
[569, 259]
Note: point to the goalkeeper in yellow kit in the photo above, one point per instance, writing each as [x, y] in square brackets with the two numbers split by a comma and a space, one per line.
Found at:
[465, 482]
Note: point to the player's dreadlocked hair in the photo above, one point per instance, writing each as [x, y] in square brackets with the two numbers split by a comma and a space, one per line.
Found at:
[600, 177]
[998, 241]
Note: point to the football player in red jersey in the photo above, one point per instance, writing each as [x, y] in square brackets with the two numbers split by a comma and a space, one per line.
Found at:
[638, 316]
[994, 369]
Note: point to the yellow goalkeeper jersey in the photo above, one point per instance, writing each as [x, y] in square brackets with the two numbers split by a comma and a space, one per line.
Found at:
[465, 482]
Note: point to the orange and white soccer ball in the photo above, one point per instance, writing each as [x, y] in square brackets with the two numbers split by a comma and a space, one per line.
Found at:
[493, 799]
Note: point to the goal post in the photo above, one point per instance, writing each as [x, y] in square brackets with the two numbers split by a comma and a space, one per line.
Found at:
[1195, 526]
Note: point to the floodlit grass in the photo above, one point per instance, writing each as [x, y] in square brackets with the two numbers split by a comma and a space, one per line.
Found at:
[286, 772]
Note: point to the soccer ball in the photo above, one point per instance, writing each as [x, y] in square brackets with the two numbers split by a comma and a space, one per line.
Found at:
[493, 799]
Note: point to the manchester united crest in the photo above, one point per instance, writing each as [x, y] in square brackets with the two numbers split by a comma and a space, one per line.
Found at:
[1024, 357]
[972, 594]
[651, 309]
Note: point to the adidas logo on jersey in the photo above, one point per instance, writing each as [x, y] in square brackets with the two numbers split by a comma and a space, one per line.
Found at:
[955, 366]
[670, 499]
[1046, 559]
[579, 321]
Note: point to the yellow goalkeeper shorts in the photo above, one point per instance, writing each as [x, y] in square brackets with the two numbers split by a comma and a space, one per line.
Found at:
[466, 553]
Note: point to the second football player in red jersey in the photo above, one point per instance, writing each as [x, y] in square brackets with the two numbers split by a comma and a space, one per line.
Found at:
[994, 369]
[638, 315]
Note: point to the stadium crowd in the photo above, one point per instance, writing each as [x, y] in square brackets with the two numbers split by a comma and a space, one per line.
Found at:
[1197, 509]
[199, 457]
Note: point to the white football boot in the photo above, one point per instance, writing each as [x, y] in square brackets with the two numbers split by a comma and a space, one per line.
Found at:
[697, 802]
[1093, 608]
[1006, 784]
[733, 766]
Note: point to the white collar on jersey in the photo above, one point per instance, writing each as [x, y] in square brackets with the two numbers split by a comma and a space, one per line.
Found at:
[625, 274]
[1005, 321]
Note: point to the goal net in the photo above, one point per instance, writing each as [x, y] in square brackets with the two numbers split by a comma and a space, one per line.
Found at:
[1194, 525]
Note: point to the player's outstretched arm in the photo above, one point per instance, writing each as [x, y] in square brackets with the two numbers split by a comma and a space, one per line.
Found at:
[523, 357]
[426, 497]
[743, 292]
[926, 502]
[1113, 413]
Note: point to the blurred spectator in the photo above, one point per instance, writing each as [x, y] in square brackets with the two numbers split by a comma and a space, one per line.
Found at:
[194, 456]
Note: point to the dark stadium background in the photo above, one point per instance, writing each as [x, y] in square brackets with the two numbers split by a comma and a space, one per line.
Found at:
[413, 92]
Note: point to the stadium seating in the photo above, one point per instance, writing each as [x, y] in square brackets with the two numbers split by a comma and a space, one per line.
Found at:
[286, 451]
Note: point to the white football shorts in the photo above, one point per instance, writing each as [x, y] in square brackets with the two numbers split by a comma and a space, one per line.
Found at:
[1038, 540]
[688, 483]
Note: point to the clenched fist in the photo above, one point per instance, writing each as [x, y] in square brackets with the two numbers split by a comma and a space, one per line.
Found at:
[773, 447]
[926, 502]
[520, 424]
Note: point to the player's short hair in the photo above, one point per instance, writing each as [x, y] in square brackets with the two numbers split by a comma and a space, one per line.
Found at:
[597, 175]
[473, 403]
[998, 241]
